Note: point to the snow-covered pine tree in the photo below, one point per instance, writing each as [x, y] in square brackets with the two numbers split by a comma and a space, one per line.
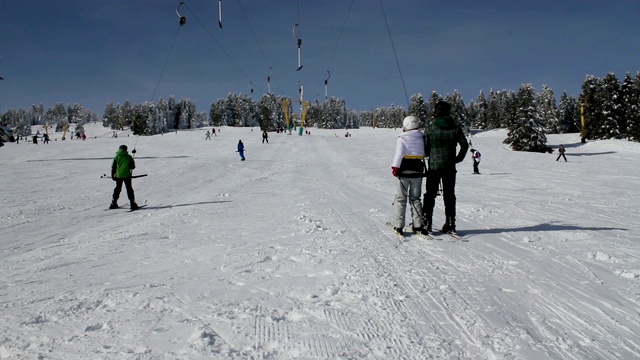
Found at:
[548, 110]
[36, 115]
[493, 111]
[56, 114]
[110, 118]
[568, 114]
[508, 107]
[418, 108]
[633, 109]
[458, 109]
[381, 118]
[266, 112]
[186, 112]
[526, 133]
[626, 89]
[609, 117]
[431, 105]
[333, 115]
[139, 119]
[352, 119]
[480, 119]
[591, 105]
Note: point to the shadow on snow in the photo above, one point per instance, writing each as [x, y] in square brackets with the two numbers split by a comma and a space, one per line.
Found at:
[191, 204]
[537, 228]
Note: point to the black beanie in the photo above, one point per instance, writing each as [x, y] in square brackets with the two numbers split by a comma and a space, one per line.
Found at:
[123, 147]
[442, 108]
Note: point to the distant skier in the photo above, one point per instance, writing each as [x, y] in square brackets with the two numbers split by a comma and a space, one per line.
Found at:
[207, 135]
[408, 167]
[442, 137]
[561, 153]
[241, 150]
[213, 131]
[45, 138]
[265, 137]
[121, 168]
[475, 155]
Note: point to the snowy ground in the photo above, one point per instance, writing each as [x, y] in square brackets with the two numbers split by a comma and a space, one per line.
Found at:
[286, 255]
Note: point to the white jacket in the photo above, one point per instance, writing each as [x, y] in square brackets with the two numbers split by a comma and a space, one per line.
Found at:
[477, 157]
[410, 145]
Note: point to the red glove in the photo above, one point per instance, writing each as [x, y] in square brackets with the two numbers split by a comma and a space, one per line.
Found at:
[394, 171]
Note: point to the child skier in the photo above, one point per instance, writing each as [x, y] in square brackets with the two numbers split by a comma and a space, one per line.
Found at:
[561, 153]
[408, 167]
[475, 155]
[121, 168]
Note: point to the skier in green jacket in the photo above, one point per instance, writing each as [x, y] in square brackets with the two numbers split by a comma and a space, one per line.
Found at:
[121, 168]
[442, 136]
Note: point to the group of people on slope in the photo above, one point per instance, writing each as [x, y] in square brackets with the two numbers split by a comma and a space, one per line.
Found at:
[438, 145]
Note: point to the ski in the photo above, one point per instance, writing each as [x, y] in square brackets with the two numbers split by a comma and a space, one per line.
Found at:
[429, 236]
[128, 208]
[399, 236]
[455, 236]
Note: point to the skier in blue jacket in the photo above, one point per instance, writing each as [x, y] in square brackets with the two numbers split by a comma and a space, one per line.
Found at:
[241, 149]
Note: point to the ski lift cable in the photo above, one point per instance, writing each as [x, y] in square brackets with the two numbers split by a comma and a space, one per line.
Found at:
[219, 45]
[335, 48]
[395, 53]
[164, 67]
[255, 38]
[344, 24]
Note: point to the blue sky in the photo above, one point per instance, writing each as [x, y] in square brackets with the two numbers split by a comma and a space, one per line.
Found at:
[92, 52]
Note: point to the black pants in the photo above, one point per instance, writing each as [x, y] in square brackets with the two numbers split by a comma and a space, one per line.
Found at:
[475, 167]
[265, 139]
[127, 184]
[561, 155]
[448, 179]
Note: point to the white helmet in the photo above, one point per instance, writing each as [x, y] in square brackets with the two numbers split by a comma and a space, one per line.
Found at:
[410, 122]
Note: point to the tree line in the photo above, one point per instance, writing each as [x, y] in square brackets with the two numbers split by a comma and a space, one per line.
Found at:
[610, 109]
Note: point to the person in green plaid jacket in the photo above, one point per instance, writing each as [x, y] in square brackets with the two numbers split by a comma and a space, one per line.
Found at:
[442, 136]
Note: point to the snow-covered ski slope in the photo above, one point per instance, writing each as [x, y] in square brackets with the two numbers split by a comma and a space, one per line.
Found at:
[287, 256]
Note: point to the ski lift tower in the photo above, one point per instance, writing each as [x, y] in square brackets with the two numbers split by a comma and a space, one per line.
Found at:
[304, 106]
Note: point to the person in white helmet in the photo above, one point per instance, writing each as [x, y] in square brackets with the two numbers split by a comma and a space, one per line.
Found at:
[408, 166]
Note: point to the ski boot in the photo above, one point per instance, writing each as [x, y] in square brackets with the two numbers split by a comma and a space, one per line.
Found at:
[398, 231]
[134, 206]
[114, 205]
[426, 220]
[449, 226]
